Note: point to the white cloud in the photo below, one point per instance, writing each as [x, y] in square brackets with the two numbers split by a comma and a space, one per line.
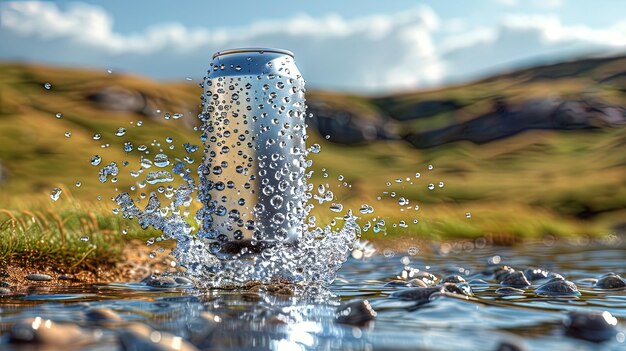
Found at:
[374, 53]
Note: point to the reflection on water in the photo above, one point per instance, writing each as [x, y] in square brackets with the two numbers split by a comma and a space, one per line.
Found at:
[228, 320]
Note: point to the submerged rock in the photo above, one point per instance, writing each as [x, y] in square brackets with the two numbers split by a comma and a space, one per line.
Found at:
[39, 277]
[610, 281]
[357, 312]
[421, 295]
[594, 326]
[102, 315]
[140, 337]
[40, 331]
[558, 288]
[508, 290]
[515, 279]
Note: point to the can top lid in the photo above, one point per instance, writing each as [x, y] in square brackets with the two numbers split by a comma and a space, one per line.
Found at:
[259, 50]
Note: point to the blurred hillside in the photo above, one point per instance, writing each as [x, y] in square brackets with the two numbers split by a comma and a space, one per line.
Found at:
[534, 152]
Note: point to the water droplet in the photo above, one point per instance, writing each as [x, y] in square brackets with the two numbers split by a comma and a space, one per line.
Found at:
[58, 115]
[161, 160]
[430, 167]
[468, 215]
[440, 184]
[120, 131]
[403, 202]
[366, 209]
[336, 207]
[55, 194]
[97, 136]
[95, 160]
[47, 86]
[431, 186]
[159, 177]
[78, 184]
[84, 239]
[68, 134]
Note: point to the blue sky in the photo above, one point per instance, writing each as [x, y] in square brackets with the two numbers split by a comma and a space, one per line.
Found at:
[369, 46]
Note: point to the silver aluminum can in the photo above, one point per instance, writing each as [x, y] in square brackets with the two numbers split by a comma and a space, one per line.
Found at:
[254, 163]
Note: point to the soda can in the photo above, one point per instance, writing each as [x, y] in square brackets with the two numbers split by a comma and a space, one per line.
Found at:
[252, 180]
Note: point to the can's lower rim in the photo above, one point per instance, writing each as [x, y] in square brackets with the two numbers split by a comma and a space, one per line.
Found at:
[258, 50]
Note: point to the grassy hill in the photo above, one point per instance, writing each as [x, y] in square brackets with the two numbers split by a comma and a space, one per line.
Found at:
[533, 153]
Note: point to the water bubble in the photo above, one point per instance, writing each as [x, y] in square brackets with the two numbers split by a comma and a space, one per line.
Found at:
[55, 194]
[58, 115]
[277, 201]
[47, 86]
[120, 131]
[95, 160]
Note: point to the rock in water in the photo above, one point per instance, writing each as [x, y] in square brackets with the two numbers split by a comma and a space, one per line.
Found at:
[46, 332]
[558, 288]
[357, 312]
[420, 295]
[39, 277]
[161, 282]
[533, 274]
[453, 279]
[507, 290]
[515, 279]
[593, 326]
[102, 315]
[610, 281]
[140, 337]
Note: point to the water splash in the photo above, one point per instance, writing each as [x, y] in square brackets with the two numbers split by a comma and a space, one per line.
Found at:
[253, 184]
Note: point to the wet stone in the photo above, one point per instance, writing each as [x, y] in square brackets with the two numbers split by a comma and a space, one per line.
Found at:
[397, 283]
[508, 290]
[421, 295]
[183, 281]
[102, 315]
[558, 288]
[501, 272]
[593, 326]
[357, 313]
[610, 281]
[515, 279]
[141, 337]
[533, 274]
[453, 279]
[460, 289]
[46, 332]
[417, 283]
[161, 282]
[39, 277]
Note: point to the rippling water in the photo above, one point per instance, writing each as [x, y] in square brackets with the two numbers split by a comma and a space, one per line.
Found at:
[261, 321]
